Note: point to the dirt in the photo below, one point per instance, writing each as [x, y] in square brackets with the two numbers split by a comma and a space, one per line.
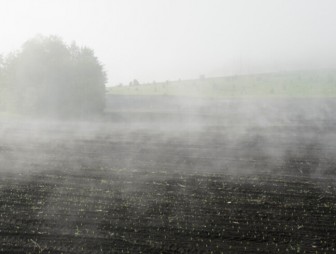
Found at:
[177, 182]
[89, 211]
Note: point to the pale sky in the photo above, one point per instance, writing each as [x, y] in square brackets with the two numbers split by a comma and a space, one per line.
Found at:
[172, 39]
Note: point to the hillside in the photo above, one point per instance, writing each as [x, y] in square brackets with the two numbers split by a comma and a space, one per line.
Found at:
[318, 83]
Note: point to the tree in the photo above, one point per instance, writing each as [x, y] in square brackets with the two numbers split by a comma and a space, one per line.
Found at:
[1, 62]
[48, 77]
[1, 80]
[135, 82]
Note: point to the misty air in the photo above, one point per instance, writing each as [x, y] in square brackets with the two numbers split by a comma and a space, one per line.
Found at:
[161, 126]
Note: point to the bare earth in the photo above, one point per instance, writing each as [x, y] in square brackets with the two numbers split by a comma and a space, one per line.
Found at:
[165, 176]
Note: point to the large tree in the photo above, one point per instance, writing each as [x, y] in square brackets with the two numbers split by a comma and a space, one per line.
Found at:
[48, 77]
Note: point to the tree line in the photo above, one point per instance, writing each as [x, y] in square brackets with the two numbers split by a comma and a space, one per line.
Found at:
[48, 77]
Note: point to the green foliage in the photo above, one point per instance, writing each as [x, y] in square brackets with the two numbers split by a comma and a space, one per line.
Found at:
[47, 77]
[320, 83]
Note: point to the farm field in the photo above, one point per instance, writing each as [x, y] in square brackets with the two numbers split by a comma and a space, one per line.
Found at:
[166, 176]
[302, 84]
[94, 211]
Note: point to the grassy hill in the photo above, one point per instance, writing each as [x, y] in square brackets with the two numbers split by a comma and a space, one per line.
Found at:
[319, 83]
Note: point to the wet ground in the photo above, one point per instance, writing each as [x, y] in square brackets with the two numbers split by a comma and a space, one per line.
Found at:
[164, 176]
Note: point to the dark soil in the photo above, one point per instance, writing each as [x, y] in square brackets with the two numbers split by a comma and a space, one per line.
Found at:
[101, 210]
[178, 179]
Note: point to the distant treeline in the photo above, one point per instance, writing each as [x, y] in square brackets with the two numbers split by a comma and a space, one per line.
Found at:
[48, 77]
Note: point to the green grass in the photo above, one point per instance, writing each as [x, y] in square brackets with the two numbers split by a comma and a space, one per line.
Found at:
[321, 83]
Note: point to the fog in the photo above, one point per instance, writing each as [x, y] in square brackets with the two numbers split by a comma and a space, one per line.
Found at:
[179, 135]
[55, 114]
[224, 140]
[170, 40]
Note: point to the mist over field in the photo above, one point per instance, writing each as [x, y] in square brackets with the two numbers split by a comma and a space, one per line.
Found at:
[167, 126]
[180, 135]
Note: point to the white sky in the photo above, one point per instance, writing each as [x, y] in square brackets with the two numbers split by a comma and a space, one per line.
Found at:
[171, 39]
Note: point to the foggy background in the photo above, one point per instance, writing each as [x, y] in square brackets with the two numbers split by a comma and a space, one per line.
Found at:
[181, 39]
[159, 40]
[189, 163]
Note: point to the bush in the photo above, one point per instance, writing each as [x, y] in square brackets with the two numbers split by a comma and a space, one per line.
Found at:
[47, 77]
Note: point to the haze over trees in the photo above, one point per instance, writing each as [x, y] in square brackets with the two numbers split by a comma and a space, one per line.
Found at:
[48, 77]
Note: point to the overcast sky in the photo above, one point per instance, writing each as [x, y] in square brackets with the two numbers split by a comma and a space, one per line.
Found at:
[171, 39]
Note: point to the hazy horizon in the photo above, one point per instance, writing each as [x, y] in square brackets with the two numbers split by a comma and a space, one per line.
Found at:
[169, 40]
[188, 164]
